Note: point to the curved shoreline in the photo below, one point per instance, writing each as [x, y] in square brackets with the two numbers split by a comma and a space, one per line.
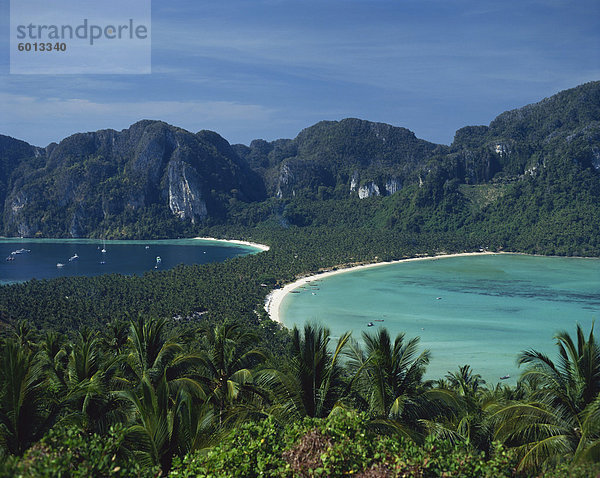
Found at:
[275, 298]
[256, 245]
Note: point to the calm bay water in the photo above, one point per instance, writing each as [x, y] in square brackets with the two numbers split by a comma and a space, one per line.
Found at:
[477, 310]
[124, 257]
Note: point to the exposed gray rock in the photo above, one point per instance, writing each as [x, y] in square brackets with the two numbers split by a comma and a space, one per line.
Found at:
[185, 194]
[368, 190]
[354, 181]
[76, 228]
[285, 182]
[596, 157]
[392, 185]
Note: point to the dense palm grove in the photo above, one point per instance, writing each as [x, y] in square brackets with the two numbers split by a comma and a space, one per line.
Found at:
[139, 400]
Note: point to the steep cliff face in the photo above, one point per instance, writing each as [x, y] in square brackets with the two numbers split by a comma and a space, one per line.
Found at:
[91, 178]
[185, 192]
[13, 153]
[368, 190]
[392, 185]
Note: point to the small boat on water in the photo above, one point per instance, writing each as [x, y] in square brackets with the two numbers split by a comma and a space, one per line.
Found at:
[21, 251]
[74, 258]
[102, 262]
[158, 261]
[59, 265]
[370, 324]
[10, 258]
[147, 247]
[378, 320]
[504, 377]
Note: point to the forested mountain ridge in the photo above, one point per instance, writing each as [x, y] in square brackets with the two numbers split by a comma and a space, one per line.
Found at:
[157, 180]
[335, 158]
[566, 125]
[92, 182]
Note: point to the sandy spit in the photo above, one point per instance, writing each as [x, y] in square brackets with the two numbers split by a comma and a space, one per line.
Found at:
[262, 247]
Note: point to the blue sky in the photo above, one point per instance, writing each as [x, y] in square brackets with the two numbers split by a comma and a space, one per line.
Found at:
[269, 68]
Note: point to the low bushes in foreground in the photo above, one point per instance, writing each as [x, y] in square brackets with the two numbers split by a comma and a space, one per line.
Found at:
[343, 444]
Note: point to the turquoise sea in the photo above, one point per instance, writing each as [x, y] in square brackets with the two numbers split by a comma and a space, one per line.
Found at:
[476, 310]
[123, 257]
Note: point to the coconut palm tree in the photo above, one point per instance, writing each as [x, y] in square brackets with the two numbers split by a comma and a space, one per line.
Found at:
[468, 418]
[26, 412]
[388, 376]
[169, 420]
[312, 383]
[91, 381]
[25, 334]
[227, 361]
[117, 336]
[559, 421]
[54, 355]
[153, 354]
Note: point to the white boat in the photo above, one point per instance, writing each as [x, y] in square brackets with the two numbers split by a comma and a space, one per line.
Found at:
[103, 247]
[74, 258]
[147, 247]
[60, 265]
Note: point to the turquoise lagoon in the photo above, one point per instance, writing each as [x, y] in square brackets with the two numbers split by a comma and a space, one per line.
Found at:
[123, 257]
[479, 310]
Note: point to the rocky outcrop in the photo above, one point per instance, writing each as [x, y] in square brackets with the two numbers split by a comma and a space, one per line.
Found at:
[185, 192]
[501, 148]
[368, 190]
[354, 181]
[371, 188]
[16, 218]
[285, 182]
[596, 157]
[77, 228]
[392, 185]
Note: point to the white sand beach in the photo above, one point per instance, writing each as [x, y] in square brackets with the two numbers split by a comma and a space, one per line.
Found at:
[275, 298]
[262, 247]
